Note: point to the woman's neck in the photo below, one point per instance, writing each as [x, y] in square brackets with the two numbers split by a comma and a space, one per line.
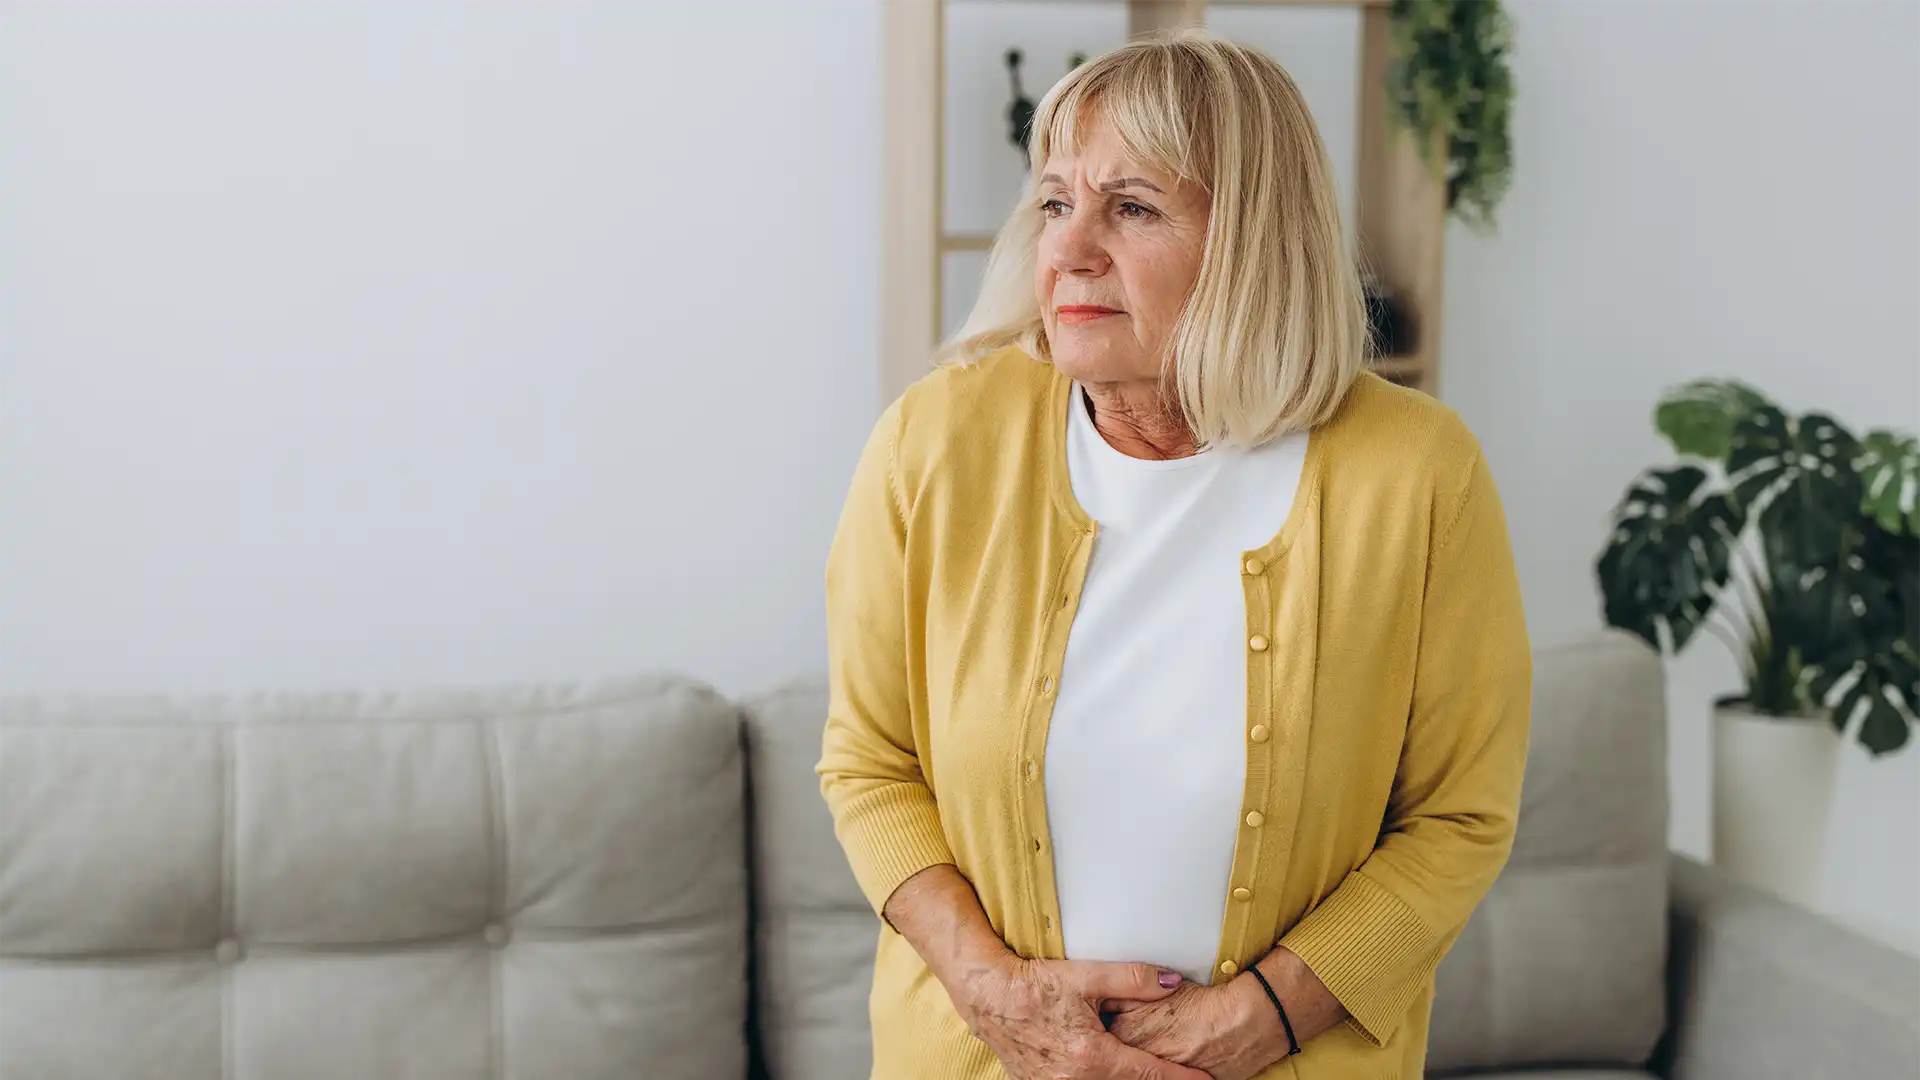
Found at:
[1137, 420]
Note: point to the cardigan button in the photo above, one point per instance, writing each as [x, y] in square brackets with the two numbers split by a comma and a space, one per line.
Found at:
[1259, 733]
[1243, 894]
[1255, 819]
[1253, 567]
[1257, 643]
[1228, 967]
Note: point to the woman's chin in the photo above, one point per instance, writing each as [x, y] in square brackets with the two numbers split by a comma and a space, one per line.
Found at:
[1098, 365]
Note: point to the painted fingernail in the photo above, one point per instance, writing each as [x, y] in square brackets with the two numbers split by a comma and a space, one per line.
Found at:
[1169, 980]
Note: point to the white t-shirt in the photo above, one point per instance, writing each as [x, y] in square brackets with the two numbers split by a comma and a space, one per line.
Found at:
[1146, 752]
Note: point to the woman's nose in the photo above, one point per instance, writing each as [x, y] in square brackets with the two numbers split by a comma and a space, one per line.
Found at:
[1079, 250]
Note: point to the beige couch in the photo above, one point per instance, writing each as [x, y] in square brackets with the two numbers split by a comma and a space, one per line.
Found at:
[638, 880]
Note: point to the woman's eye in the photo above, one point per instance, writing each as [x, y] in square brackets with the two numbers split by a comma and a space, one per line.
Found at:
[1053, 208]
[1136, 211]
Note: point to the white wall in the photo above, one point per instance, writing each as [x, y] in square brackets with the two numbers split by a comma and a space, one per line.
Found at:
[1702, 189]
[344, 345]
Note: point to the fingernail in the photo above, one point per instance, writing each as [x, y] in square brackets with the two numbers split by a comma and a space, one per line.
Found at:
[1169, 980]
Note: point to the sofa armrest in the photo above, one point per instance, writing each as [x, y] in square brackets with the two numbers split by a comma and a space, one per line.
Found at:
[1759, 989]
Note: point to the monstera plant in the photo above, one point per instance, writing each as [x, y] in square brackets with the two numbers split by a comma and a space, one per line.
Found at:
[1791, 540]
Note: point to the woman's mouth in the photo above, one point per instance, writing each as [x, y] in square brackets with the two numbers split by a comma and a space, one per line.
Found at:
[1080, 313]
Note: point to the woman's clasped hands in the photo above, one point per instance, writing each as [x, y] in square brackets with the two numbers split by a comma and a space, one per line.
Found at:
[1074, 1020]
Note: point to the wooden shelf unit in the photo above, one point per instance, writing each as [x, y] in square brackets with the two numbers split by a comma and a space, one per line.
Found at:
[1401, 206]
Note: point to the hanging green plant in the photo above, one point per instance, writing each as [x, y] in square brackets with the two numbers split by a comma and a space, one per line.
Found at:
[1450, 83]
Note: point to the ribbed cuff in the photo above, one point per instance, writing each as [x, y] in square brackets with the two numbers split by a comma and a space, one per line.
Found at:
[890, 835]
[1372, 952]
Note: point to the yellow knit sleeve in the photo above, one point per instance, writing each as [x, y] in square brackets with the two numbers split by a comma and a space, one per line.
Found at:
[1378, 938]
[870, 767]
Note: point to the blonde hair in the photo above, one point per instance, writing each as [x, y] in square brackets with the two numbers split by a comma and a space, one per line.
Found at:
[1274, 332]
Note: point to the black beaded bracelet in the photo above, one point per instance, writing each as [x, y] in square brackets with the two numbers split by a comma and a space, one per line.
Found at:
[1279, 1008]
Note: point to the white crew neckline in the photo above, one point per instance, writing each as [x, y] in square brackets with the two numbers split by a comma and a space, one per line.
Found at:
[1098, 444]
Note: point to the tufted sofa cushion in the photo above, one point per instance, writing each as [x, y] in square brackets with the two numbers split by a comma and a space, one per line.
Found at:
[1564, 960]
[500, 885]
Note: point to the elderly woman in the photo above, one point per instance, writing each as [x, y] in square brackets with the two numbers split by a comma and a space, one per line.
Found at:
[1178, 674]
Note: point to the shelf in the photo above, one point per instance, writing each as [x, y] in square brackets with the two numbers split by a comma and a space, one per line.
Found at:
[1303, 3]
[1244, 3]
[1413, 372]
[966, 242]
[1398, 366]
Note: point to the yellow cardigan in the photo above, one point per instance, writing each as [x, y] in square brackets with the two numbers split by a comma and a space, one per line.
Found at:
[1388, 678]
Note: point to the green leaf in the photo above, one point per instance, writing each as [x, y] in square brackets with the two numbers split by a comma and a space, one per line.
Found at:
[1870, 671]
[1889, 467]
[1871, 694]
[1907, 585]
[1668, 555]
[1883, 570]
[1797, 477]
[1698, 418]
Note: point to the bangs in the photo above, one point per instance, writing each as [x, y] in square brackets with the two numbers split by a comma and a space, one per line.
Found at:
[1153, 108]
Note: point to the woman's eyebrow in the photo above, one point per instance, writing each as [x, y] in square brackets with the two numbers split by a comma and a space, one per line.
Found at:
[1111, 185]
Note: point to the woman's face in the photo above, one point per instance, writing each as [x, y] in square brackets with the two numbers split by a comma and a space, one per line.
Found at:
[1119, 252]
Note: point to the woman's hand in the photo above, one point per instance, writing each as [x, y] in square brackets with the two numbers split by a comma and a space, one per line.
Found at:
[1231, 1032]
[1042, 1018]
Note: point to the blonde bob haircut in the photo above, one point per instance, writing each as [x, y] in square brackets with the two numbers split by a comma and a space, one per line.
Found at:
[1274, 331]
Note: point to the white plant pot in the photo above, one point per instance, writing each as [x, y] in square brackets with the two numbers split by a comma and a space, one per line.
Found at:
[1772, 790]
